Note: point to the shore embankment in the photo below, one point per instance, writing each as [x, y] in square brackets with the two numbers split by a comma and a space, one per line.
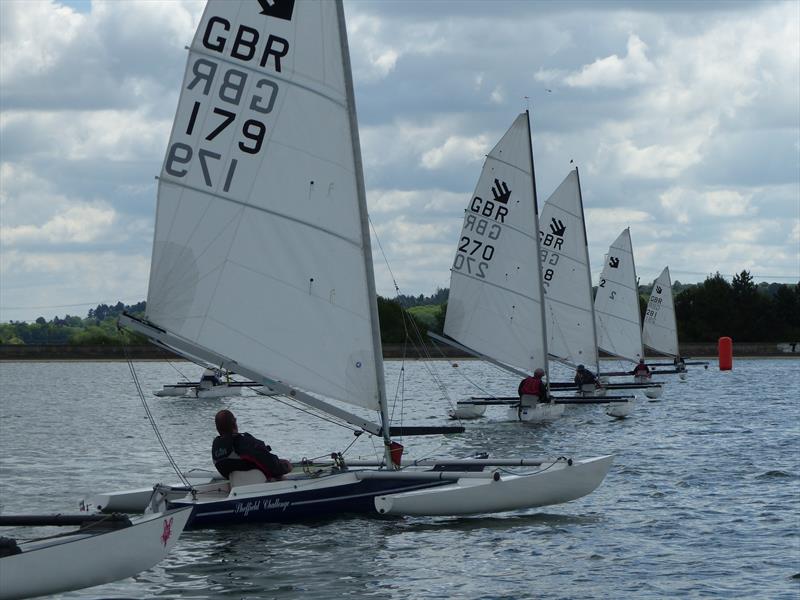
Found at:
[150, 352]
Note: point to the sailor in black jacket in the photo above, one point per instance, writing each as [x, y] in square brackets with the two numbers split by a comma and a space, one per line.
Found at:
[234, 451]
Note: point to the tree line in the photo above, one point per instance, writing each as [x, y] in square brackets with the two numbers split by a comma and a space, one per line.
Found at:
[741, 309]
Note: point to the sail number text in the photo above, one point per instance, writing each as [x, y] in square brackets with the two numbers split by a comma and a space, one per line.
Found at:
[474, 252]
[226, 102]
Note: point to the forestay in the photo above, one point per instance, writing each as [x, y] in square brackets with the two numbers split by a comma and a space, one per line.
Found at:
[616, 305]
[259, 251]
[566, 275]
[494, 307]
[660, 328]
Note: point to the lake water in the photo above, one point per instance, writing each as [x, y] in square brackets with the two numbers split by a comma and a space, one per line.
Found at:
[703, 499]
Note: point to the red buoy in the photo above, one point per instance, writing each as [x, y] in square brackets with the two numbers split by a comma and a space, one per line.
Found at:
[725, 348]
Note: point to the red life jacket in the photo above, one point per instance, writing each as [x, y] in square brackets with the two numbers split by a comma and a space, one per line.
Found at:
[531, 386]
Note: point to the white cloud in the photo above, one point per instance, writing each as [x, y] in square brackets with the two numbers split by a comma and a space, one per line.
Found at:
[615, 72]
[685, 204]
[456, 149]
[77, 224]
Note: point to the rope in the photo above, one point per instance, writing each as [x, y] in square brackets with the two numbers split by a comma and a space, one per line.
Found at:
[152, 420]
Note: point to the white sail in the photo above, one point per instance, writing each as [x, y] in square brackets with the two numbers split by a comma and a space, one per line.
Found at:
[259, 250]
[494, 306]
[566, 275]
[616, 304]
[660, 331]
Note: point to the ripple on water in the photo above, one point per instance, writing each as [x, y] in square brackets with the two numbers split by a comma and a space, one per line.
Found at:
[699, 507]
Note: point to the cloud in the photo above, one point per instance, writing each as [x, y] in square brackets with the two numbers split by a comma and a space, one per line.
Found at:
[456, 149]
[613, 71]
[686, 204]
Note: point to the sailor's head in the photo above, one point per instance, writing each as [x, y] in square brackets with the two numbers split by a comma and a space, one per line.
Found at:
[225, 422]
[581, 367]
[538, 373]
[641, 361]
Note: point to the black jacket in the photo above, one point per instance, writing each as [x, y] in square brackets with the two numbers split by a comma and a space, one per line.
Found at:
[243, 452]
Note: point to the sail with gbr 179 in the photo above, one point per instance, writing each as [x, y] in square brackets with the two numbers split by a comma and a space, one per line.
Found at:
[262, 265]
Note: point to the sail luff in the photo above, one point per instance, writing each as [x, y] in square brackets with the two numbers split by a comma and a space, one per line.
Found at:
[372, 301]
[588, 274]
[543, 316]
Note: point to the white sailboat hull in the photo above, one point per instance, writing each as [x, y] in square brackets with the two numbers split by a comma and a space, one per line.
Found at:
[170, 391]
[82, 560]
[654, 392]
[540, 413]
[467, 411]
[218, 391]
[558, 483]
[620, 410]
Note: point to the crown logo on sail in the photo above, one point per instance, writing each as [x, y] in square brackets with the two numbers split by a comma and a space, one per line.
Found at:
[557, 227]
[501, 192]
[613, 262]
[658, 289]
[280, 9]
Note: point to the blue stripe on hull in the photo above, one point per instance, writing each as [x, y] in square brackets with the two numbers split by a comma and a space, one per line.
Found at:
[297, 505]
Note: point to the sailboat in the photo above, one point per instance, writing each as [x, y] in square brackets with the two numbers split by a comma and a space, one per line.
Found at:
[567, 277]
[105, 548]
[212, 384]
[262, 265]
[617, 314]
[660, 331]
[495, 308]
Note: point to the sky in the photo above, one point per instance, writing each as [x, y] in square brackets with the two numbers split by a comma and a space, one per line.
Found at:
[683, 117]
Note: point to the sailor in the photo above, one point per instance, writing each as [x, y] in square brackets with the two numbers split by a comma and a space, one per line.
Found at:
[680, 365]
[209, 379]
[641, 371]
[234, 451]
[584, 376]
[532, 389]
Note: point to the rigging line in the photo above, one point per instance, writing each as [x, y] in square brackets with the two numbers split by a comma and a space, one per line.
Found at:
[306, 410]
[470, 381]
[152, 420]
[172, 364]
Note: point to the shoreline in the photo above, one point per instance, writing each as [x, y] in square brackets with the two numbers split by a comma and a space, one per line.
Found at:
[53, 352]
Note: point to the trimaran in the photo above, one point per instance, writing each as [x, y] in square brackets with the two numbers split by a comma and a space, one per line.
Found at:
[262, 265]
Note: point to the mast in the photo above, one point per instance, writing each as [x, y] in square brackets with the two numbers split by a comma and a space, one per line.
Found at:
[365, 233]
[538, 255]
[636, 288]
[588, 275]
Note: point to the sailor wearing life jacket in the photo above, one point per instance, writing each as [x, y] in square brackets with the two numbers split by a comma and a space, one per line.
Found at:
[532, 389]
[234, 451]
[641, 370]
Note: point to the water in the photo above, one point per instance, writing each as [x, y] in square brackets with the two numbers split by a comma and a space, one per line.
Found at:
[703, 499]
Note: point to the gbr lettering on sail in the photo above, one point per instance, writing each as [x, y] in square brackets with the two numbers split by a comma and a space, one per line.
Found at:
[227, 98]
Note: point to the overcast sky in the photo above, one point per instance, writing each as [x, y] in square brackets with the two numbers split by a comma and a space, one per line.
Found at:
[683, 116]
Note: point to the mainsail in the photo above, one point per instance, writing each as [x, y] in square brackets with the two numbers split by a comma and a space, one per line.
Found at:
[660, 330]
[495, 302]
[616, 305]
[261, 250]
[566, 275]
